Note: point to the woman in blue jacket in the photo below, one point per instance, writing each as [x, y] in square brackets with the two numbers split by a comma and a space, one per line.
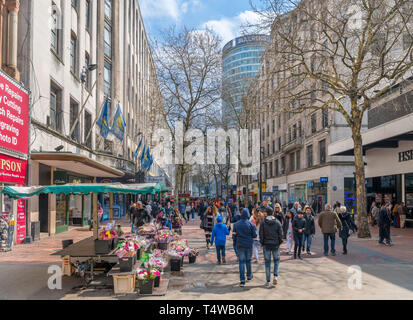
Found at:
[219, 234]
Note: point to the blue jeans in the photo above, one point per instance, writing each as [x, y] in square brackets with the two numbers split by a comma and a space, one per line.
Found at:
[332, 236]
[276, 257]
[220, 250]
[308, 238]
[245, 258]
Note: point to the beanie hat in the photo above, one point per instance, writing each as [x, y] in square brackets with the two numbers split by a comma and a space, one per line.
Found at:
[219, 219]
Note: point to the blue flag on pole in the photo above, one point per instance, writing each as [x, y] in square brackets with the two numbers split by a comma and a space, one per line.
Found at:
[103, 122]
[119, 125]
[142, 155]
[138, 149]
[146, 159]
[150, 162]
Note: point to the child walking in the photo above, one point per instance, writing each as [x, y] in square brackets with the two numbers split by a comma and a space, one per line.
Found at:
[219, 234]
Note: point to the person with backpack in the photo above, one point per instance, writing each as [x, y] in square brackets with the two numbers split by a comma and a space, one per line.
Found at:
[219, 234]
[245, 234]
[271, 237]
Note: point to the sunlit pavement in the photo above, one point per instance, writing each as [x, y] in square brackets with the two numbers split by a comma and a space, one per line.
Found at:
[386, 272]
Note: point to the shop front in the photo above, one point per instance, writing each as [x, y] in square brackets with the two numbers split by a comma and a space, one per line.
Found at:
[57, 212]
[14, 149]
[72, 210]
[389, 162]
[312, 192]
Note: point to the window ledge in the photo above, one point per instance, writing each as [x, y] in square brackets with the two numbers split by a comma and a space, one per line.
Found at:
[59, 58]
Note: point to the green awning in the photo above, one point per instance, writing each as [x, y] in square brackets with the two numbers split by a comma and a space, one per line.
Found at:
[86, 188]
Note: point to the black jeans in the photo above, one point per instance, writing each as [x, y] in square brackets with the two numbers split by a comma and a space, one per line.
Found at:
[298, 243]
[344, 241]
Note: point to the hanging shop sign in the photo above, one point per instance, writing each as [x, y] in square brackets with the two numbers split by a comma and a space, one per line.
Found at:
[14, 117]
[12, 170]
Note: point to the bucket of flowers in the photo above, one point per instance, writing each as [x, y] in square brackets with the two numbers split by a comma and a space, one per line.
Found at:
[156, 264]
[146, 280]
[194, 252]
[104, 243]
[162, 239]
[176, 260]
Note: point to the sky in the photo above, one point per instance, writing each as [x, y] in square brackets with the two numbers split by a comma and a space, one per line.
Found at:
[225, 17]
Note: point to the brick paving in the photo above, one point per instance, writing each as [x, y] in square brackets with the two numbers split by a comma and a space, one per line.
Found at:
[387, 271]
[40, 252]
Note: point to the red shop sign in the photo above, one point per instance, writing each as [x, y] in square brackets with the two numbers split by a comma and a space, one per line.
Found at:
[14, 116]
[12, 170]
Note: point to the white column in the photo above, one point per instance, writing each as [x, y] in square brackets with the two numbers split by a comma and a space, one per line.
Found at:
[404, 188]
[13, 19]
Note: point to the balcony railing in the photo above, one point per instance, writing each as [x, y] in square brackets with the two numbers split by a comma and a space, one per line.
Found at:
[294, 144]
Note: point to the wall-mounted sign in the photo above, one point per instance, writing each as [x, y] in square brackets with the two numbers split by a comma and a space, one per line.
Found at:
[12, 170]
[324, 179]
[406, 156]
[14, 116]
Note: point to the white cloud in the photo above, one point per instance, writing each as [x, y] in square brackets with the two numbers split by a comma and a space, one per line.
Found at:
[229, 28]
[172, 9]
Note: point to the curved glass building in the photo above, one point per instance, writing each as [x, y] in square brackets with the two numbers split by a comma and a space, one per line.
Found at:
[241, 61]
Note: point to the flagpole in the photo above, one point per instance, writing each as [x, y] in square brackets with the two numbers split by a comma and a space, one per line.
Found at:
[96, 119]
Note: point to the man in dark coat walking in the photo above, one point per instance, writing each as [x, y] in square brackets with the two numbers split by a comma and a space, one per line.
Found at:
[271, 235]
[384, 224]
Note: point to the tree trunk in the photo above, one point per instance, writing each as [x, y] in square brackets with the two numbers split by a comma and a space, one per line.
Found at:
[364, 231]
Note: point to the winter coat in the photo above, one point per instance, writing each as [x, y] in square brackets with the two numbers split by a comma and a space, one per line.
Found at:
[384, 218]
[280, 217]
[310, 228]
[348, 224]
[285, 225]
[328, 222]
[219, 234]
[299, 223]
[245, 231]
[141, 216]
[271, 233]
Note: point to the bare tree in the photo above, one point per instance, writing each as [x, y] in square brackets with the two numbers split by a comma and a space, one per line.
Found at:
[188, 64]
[340, 56]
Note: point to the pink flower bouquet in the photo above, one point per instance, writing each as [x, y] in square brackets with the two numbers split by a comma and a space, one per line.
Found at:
[147, 274]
